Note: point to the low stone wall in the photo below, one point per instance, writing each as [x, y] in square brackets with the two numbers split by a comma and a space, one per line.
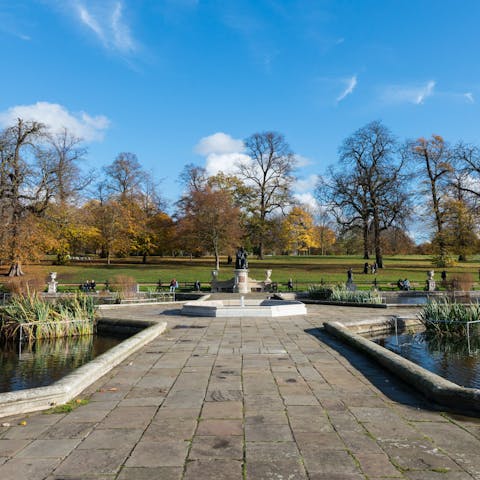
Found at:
[440, 391]
[62, 391]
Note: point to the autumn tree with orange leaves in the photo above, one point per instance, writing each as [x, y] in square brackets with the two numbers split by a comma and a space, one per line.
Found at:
[209, 220]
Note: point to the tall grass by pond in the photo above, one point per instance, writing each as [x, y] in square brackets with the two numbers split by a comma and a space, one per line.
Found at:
[38, 318]
[342, 294]
[446, 318]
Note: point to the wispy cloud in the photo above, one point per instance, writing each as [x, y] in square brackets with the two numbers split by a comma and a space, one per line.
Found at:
[106, 20]
[89, 20]
[469, 97]
[57, 117]
[416, 94]
[12, 20]
[351, 83]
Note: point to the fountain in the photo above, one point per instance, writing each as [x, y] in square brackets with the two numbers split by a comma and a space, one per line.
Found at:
[244, 308]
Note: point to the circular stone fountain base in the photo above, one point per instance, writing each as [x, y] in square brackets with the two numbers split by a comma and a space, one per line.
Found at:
[244, 308]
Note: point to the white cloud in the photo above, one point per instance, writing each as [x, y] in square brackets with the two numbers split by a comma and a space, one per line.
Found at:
[219, 143]
[303, 191]
[107, 21]
[224, 162]
[351, 83]
[302, 161]
[57, 117]
[222, 152]
[469, 97]
[308, 183]
[409, 93]
[307, 199]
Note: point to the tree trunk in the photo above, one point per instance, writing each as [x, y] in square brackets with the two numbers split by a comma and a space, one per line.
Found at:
[366, 255]
[144, 258]
[260, 250]
[15, 270]
[377, 241]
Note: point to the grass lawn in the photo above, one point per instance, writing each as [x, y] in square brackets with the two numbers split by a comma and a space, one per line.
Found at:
[302, 269]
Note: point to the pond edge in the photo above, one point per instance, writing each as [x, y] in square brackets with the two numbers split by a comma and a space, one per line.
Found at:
[64, 390]
[442, 392]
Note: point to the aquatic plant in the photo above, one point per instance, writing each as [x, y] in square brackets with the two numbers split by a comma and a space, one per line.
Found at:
[444, 317]
[38, 318]
[341, 294]
[319, 292]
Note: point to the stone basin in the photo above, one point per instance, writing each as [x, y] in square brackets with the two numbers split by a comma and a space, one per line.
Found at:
[244, 308]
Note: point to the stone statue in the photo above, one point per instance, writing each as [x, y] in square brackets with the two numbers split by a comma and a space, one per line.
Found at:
[241, 259]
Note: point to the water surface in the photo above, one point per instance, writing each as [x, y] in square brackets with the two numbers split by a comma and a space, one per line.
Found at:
[47, 361]
[450, 360]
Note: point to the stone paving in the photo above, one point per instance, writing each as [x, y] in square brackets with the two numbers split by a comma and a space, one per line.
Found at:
[239, 398]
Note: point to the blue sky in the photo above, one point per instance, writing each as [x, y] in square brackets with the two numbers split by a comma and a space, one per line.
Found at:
[182, 81]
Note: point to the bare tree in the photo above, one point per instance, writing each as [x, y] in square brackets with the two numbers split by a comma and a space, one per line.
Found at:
[432, 162]
[368, 188]
[269, 175]
[347, 201]
[193, 177]
[125, 175]
[19, 187]
[63, 159]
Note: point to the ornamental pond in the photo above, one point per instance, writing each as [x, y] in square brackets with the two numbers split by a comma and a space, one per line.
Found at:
[46, 361]
[457, 361]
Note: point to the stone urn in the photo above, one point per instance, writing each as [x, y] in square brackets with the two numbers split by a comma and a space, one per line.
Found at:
[52, 284]
[268, 274]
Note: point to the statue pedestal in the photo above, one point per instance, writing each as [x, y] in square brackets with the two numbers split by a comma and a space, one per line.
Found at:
[241, 281]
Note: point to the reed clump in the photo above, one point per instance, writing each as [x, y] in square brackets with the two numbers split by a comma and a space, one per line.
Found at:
[39, 318]
[446, 318]
[342, 294]
[124, 286]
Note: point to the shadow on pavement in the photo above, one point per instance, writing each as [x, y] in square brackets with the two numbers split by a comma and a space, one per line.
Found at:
[391, 386]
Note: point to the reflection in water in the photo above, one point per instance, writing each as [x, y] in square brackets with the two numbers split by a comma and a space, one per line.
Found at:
[415, 299]
[450, 360]
[47, 361]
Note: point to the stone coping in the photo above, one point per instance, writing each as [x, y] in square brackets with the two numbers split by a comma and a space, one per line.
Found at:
[344, 304]
[62, 391]
[437, 389]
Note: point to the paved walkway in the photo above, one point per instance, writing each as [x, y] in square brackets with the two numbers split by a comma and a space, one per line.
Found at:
[244, 399]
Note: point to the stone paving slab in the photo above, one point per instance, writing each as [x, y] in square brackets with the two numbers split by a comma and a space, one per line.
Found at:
[245, 399]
